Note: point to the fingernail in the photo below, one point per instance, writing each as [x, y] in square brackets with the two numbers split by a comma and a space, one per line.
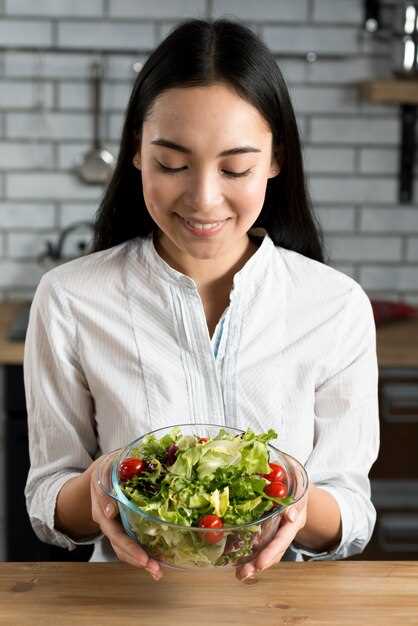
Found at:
[109, 510]
[250, 573]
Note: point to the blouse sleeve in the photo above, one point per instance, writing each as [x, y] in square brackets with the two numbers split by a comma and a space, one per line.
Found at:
[60, 408]
[346, 430]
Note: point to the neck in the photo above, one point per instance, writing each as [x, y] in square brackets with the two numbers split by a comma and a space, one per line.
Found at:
[206, 273]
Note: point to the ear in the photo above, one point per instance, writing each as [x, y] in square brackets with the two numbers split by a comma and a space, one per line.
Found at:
[276, 162]
[136, 161]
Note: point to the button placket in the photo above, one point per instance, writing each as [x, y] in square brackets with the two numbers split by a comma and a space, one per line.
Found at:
[211, 401]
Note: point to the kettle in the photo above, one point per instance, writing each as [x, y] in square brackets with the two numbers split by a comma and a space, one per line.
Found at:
[53, 255]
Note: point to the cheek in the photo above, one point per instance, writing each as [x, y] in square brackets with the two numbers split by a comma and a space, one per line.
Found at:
[157, 196]
[251, 195]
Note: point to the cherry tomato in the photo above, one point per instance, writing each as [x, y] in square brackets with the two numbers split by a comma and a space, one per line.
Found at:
[203, 439]
[211, 521]
[277, 473]
[276, 489]
[130, 467]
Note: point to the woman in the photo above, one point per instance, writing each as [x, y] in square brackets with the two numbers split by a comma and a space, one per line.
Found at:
[206, 299]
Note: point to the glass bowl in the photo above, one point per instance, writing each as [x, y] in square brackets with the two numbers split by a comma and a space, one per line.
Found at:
[189, 547]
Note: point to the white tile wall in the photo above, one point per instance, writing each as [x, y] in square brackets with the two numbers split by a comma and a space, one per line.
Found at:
[341, 219]
[379, 161]
[393, 220]
[16, 94]
[24, 156]
[320, 160]
[366, 248]
[112, 34]
[412, 249]
[15, 275]
[52, 126]
[52, 8]
[388, 277]
[15, 216]
[72, 212]
[303, 39]
[353, 189]
[143, 9]
[346, 12]
[49, 186]
[77, 95]
[356, 130]
[25, 33]
[267, 10]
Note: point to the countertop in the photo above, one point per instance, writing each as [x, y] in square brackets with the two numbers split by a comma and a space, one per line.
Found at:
[331, 593]
[397, 342]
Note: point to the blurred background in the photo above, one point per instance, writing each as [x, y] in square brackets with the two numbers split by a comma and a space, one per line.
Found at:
[66, 71]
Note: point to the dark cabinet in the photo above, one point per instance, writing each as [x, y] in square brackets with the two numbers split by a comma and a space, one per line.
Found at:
[394, 476]
[21, 542]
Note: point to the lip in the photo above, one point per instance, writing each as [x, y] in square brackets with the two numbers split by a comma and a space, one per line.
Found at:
[192, 219]
[203, 234]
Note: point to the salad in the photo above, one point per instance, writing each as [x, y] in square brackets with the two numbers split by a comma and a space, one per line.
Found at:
[216, 483]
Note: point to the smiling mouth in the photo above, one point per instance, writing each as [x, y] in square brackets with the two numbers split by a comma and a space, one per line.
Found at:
[203, 228]
[193, 222]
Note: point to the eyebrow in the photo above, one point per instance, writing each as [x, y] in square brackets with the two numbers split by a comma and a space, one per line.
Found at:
[175, 146]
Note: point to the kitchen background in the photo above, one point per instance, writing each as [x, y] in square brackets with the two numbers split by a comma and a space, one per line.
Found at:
[351, 146]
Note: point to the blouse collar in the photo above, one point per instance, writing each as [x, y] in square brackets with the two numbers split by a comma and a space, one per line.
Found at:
[252, 270]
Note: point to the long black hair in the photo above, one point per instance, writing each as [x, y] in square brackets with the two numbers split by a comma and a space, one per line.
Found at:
[202, 53]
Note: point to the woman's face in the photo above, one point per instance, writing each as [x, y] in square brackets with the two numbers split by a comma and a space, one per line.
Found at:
[193, 183]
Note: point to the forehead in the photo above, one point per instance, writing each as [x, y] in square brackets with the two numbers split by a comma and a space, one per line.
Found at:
[204, 112]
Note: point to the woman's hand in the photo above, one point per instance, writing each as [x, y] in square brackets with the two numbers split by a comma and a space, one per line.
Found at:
[104, 510]
[293, 520]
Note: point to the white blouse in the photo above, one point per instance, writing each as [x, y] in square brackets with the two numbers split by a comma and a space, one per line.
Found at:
[118, 345]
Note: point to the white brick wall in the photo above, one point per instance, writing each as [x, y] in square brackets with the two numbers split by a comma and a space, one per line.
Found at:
[15, 216]
[337, 12]
[143, 9]
[366, 248]
[267, 10]
[350, 147]
[52, 8]
[25, 33]
[356, 130]
[303, 39]
[117, 34]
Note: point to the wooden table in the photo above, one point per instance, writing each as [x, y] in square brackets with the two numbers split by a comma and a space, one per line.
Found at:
[330, 593]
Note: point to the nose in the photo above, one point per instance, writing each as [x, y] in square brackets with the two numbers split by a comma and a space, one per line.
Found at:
[204, 192]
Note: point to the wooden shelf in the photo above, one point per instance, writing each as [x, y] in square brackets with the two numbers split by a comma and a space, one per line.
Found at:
[404, 93]
[390, 91]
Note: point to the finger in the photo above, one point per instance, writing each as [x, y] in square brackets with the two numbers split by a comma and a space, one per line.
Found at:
[115, 532]
[104, 510]
[118, 537]
[275, 550]
[245, 571]
[126, 557]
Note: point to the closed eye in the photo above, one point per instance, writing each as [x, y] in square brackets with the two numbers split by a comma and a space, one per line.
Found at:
[176, 170]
